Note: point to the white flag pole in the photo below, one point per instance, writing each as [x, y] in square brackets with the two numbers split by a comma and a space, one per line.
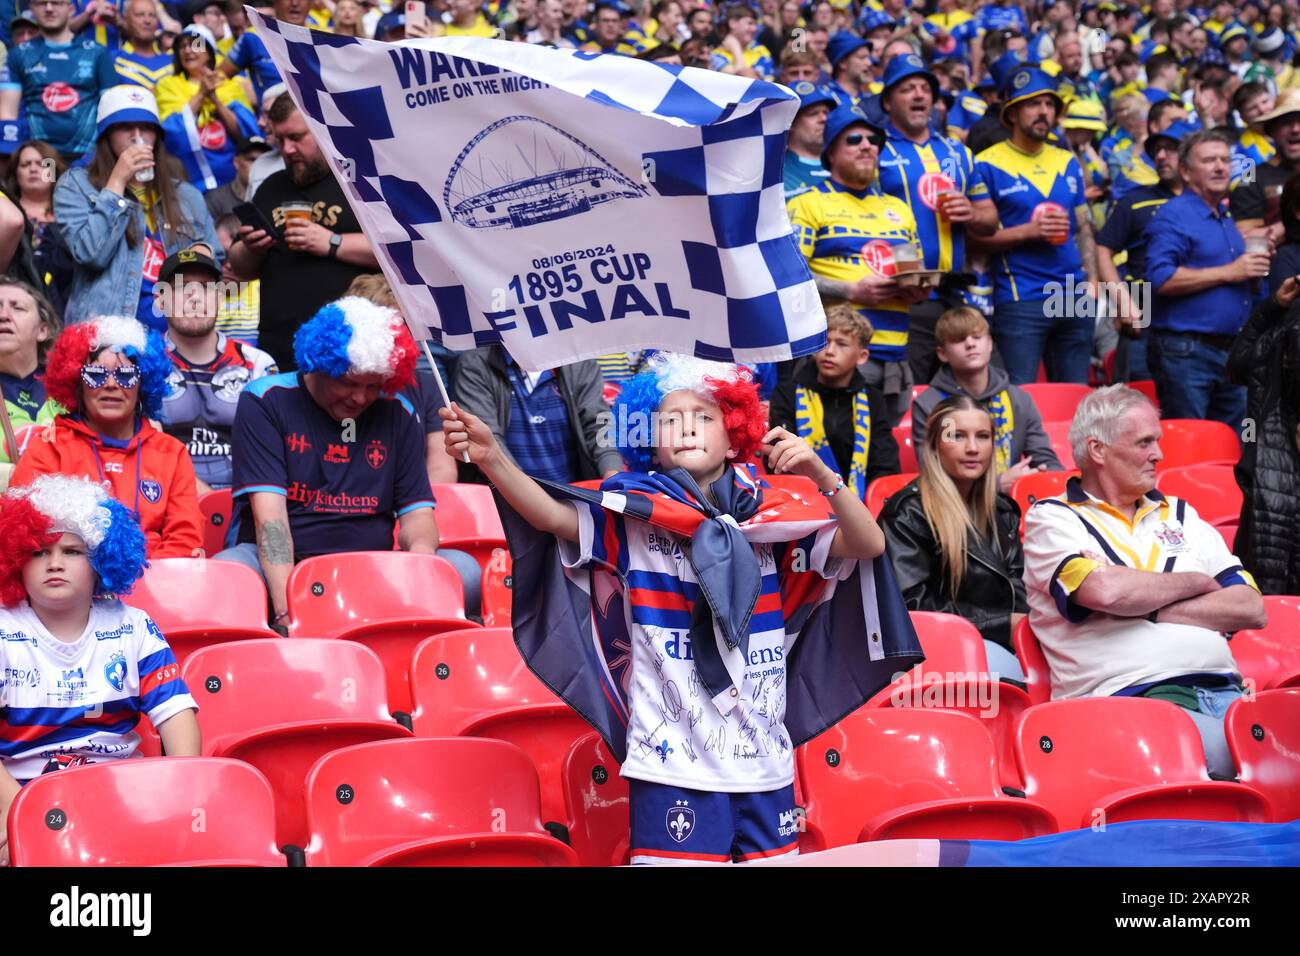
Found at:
[442, 386]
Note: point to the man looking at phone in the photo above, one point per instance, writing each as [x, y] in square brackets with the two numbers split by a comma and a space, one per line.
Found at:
[308, 246]
[1202, 272]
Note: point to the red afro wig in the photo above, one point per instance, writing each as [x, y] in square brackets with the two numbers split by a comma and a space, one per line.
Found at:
[23, 530]
[742, 412]
[63, 364]
[405, 355]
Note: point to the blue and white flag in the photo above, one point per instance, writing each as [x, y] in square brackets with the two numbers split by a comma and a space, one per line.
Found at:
[566, 204]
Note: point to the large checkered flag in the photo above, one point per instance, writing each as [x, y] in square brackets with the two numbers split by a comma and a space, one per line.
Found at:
[565, 204]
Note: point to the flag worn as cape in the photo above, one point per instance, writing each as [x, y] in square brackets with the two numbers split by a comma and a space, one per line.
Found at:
[845, 639]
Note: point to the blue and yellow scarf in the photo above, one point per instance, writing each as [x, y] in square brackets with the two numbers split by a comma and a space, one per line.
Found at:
[810, 423]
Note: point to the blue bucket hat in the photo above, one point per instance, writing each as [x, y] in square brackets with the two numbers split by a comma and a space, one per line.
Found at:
[874, 20]
[1233, 31]
[905, 65]
[1002, 67]
[839, 120]
[841, 45]
[810, 94]
[1026, 83]
[1177, 131]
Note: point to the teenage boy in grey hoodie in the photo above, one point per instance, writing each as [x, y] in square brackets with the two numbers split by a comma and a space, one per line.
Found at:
[964, 347]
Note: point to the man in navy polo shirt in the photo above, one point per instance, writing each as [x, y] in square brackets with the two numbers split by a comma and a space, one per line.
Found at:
[328, 458]
[1202, 276]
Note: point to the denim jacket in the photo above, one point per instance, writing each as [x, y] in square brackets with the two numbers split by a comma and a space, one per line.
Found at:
[107, 277]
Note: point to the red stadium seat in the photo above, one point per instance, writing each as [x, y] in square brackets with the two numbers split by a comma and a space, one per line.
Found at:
[1228, 531]
[880, 490]
[905, 774]
[476, 684]
[468, 520]
[1056, 401]
[1038, 677]
[498, 590]
[1058, 433]
[215, 506]
[1211, 489]
[955, 676]
[150, 742]
[280, 705]
[197, 603]
[907, 455]
[444, 802]
[1271, 656]
[1036, 485]
[146, 813]
[1103, 760]
[1264, 738]
[596, 801]
[1147, 388]
[1193, 441]
[386, 600]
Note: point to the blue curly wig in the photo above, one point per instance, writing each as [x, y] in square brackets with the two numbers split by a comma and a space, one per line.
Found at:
[634, 411]
[119, 561]
[155, 369]
[321, 343]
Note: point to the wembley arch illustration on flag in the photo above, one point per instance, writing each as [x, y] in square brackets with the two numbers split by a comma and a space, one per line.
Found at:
[565, 204]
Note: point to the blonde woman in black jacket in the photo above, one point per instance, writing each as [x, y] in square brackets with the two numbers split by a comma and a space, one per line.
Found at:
[953, 539]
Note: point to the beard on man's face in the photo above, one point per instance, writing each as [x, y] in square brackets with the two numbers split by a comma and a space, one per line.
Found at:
[307, 171]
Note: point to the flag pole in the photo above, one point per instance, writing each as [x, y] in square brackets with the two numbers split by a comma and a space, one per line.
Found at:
[442, 386]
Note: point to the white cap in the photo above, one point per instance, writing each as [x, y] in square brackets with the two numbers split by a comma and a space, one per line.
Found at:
[126, 104]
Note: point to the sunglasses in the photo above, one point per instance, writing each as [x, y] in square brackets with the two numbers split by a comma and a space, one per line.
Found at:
[875, 139]
[96, 376]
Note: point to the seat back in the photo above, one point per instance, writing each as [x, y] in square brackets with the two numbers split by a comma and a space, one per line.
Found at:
[193, 593]
[1195, 441]
[1038, 485]
[373, 797]
[330, 594]
[795, 485]
[215, 506]
[1264, 738]
[907, 455]
[881, 759]
[498, 590]
[1074, 753]
[878, 491]
[1038, 677]
[596, 800]
[468, 520]
[150, 812]
[1058, 434]
[1211, 489]
[1270, 655]
[1148, 388]
[1056, 401]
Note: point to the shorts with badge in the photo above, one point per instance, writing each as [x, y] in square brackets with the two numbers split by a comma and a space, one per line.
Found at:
[676, 825]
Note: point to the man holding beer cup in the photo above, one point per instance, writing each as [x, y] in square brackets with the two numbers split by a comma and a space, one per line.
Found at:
[1044, 253]
[934, 175]
[857, 242]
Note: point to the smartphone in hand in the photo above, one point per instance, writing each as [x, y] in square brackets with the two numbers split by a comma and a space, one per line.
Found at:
[417, 16]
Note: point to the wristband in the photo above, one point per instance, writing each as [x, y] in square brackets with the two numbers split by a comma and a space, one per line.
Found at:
[839, 486]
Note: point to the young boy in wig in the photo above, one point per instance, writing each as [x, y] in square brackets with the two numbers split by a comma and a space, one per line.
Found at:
[720, 606]
[827, 402]
[77, 666]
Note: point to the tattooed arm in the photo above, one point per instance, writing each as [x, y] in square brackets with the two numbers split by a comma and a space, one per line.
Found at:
[1087, 241]
[274, 548]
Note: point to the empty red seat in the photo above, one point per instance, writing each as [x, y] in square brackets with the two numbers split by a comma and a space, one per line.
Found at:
[596, 801]
[907, 773]
[279, 705]
[1037, 485]
[1038, 678]
[215, 506]
[443, 802]
[1058, 433]
[879, 490]
[197, 603]
[1264, 738]
[468, 520]
[1211, 489]
[173, 811]
[1148, 388]
[386, 600]
[1056, 401]
[498, 590]
[1101, 760]
[907, 455]
[1270, 656]
[1194, 441]
[475, 684]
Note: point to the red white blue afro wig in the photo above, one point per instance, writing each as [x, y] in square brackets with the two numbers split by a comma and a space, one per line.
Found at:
[730, 387]
[144, 347]
[354, 336]
[34, 516]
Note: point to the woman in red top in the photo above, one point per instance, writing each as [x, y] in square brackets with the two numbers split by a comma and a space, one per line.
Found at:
[111, 375]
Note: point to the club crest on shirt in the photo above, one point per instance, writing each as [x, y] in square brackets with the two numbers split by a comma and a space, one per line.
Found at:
[151, 490]
[680, 821]
[115, 670]
[1170, 535]
[229, 382]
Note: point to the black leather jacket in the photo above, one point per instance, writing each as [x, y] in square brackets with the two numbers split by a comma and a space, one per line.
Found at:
[992, 588]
